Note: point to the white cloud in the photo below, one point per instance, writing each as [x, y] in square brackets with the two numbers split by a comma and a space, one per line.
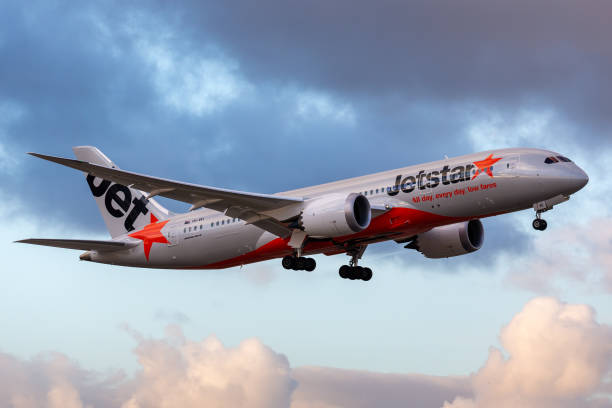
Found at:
[10, 113]
[195, 83]
[558, 356]
[492, 130]
[319, 106]
[577, 253]
[206, 373]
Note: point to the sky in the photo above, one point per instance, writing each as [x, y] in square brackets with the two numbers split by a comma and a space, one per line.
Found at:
[270, 96]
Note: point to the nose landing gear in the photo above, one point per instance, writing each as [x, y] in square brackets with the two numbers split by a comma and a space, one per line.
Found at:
[539, 224]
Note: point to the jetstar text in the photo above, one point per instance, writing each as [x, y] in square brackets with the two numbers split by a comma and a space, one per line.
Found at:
[433, 179]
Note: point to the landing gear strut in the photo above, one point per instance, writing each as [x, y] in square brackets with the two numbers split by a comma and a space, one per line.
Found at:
[299, 263]
[352, 271]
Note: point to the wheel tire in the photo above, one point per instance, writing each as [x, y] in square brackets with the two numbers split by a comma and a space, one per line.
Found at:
[288, 262]
[300, 264]
[536, 224]
[543, 225]
[311, 264]
[366, 274]
[344, 271]
[355, 273]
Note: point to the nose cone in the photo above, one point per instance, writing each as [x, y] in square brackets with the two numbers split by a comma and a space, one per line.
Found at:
[575, 179]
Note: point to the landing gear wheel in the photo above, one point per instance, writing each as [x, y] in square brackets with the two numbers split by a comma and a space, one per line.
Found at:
[310, 264]
[539, 224]
[344, 271]
[288, 262]
[355, 272]
[299, 264]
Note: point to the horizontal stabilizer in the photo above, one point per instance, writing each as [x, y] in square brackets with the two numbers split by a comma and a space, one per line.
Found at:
[82, 244]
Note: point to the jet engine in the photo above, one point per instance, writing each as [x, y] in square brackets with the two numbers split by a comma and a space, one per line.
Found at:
[336, 215]
[450, 240]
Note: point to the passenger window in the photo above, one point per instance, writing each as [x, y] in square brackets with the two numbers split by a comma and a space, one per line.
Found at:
[201, 226]
[376, 191]
[184, 230]
[217, 223]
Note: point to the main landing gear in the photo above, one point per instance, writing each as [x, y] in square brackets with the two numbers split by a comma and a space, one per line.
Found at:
[299, 263]
[352, 271]
[355, 272]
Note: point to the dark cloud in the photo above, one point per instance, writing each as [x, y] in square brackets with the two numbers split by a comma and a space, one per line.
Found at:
[549, 52]
[409, 74]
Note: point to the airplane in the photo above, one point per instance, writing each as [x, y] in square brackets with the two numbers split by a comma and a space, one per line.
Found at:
[434, 208]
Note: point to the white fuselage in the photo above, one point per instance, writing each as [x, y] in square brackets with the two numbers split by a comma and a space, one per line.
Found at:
[409, 201]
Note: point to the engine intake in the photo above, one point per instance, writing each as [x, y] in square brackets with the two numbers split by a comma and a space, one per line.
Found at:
[450, 240]
[336, 215]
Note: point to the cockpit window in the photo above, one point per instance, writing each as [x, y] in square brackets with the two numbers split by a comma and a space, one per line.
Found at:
[550, 160]
[556, 159]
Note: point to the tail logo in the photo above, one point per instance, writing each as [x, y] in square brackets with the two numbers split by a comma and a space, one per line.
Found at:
[118, 200]
[151, 233]
[485, 166]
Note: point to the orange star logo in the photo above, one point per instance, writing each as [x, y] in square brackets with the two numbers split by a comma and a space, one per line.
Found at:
[484, 166]
[151, 233]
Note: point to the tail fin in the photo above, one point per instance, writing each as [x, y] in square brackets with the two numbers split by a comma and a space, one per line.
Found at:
[124, 209]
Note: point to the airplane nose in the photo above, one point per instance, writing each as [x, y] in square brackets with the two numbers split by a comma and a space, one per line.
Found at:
[577, 179]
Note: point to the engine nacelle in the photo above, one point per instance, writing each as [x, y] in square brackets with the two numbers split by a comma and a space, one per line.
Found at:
[336, 215]
[450, 240]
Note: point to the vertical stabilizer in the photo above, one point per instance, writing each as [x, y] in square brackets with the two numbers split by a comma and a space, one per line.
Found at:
[123, 209]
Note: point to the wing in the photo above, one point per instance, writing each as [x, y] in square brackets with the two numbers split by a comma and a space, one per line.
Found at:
[82, 244]
[251, 207]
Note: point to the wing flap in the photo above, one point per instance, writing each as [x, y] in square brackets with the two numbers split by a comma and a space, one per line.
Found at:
[81, 244]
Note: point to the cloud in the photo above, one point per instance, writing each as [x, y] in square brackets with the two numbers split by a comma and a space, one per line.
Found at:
[321, 387]
[189, 83]
[10, 114]
[557, 356]
[554, 355]
[53, 380]
[575, 253]
[490, 53]
[314, 105]
[190, 374]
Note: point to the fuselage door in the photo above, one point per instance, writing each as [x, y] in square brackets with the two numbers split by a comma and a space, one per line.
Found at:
[173, 235]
